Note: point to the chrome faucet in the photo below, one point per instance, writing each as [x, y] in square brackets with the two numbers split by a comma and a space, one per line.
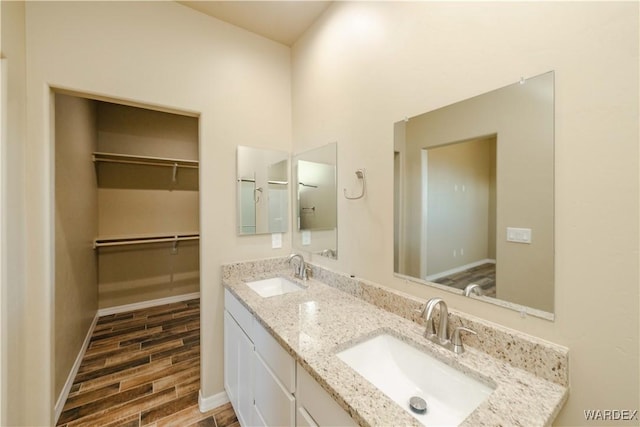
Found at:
[452, 342]
[301, 269]
[442, 337]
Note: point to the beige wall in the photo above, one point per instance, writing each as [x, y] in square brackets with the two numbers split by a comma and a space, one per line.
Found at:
[458, 208]
[76, 225]
[399, 59]
[15, 385]
[141, 211]
[131, 274]
[138, 131]
[180, 60]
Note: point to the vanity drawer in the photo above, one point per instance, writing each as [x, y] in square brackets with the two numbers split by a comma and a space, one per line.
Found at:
[273, 402]
[275, 357]
[315, 407]
[239, 312]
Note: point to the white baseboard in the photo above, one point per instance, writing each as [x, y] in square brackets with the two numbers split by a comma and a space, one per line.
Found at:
[208, 403]
[455, 270]
[74, 371]
[147, 304]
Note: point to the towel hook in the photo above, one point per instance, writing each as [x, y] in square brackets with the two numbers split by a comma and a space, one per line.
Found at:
[360, 175]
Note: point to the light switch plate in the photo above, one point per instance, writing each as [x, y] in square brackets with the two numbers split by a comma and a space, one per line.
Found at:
[306, 237]
[276, 240]
[518, 235]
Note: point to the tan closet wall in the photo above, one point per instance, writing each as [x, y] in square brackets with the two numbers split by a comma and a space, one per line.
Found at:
[144, 200]
[76, 225]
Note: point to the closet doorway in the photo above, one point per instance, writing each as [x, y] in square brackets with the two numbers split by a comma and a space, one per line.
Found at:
[126, 215]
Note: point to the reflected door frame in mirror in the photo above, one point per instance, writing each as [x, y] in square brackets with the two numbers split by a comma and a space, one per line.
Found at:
[520, 118]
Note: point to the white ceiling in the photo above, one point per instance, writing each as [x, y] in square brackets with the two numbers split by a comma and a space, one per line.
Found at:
[282, 21]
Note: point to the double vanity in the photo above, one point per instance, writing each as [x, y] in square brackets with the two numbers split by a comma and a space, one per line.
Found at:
[336, 350]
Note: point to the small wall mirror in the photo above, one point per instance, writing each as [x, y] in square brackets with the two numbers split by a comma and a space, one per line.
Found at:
[474, 199]
[316, 209]
[263, 190]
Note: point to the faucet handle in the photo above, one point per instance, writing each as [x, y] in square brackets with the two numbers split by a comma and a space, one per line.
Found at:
[456, 340]
[306, 272]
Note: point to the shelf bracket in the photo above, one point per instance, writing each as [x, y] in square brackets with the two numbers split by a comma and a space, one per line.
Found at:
[175, 173]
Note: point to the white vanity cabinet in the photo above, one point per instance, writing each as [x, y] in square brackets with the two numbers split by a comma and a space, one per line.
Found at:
[259, 375]
[264, 384]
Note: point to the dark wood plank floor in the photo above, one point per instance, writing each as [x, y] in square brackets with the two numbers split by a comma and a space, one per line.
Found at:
[142, 368]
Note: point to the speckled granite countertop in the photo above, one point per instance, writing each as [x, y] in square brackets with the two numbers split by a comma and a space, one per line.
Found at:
[315, 324]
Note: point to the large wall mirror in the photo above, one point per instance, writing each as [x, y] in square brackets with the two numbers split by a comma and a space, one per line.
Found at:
[316, 212]
[262, 191]
[474, 200]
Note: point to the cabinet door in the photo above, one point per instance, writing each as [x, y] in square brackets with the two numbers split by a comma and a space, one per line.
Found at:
[231, 358]
[238, 369]
[245, 380]
[272, 399]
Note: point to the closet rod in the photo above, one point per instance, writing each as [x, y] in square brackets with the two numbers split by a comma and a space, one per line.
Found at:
[101, 156]
[99, 243]
[134, 162]
[268, 182]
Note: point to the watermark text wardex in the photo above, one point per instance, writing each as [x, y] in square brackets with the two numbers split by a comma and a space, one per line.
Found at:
[611, 414]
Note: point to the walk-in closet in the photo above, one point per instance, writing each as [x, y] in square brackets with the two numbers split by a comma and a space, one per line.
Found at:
[126, 214]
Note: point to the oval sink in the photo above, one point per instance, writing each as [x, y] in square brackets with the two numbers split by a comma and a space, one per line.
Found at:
[401, 371]
[274, 286]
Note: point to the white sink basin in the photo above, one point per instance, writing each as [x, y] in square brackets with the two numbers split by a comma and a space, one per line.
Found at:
[274, 286]
[401, 371]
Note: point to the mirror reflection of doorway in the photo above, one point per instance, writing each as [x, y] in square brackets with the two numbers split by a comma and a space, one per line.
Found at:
[460, 213]
[397, 214]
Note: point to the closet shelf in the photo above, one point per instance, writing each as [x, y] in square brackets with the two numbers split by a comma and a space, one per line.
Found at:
[101, 242]
[144, 160]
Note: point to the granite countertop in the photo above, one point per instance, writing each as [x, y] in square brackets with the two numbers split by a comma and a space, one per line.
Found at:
[315, 324]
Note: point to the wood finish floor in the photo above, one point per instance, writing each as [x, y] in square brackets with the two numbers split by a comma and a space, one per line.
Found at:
[142, 368]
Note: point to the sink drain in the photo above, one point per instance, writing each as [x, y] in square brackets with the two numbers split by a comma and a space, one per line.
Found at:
[418, 405]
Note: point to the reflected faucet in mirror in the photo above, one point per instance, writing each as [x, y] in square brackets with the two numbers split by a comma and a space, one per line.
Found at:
[472, 289]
